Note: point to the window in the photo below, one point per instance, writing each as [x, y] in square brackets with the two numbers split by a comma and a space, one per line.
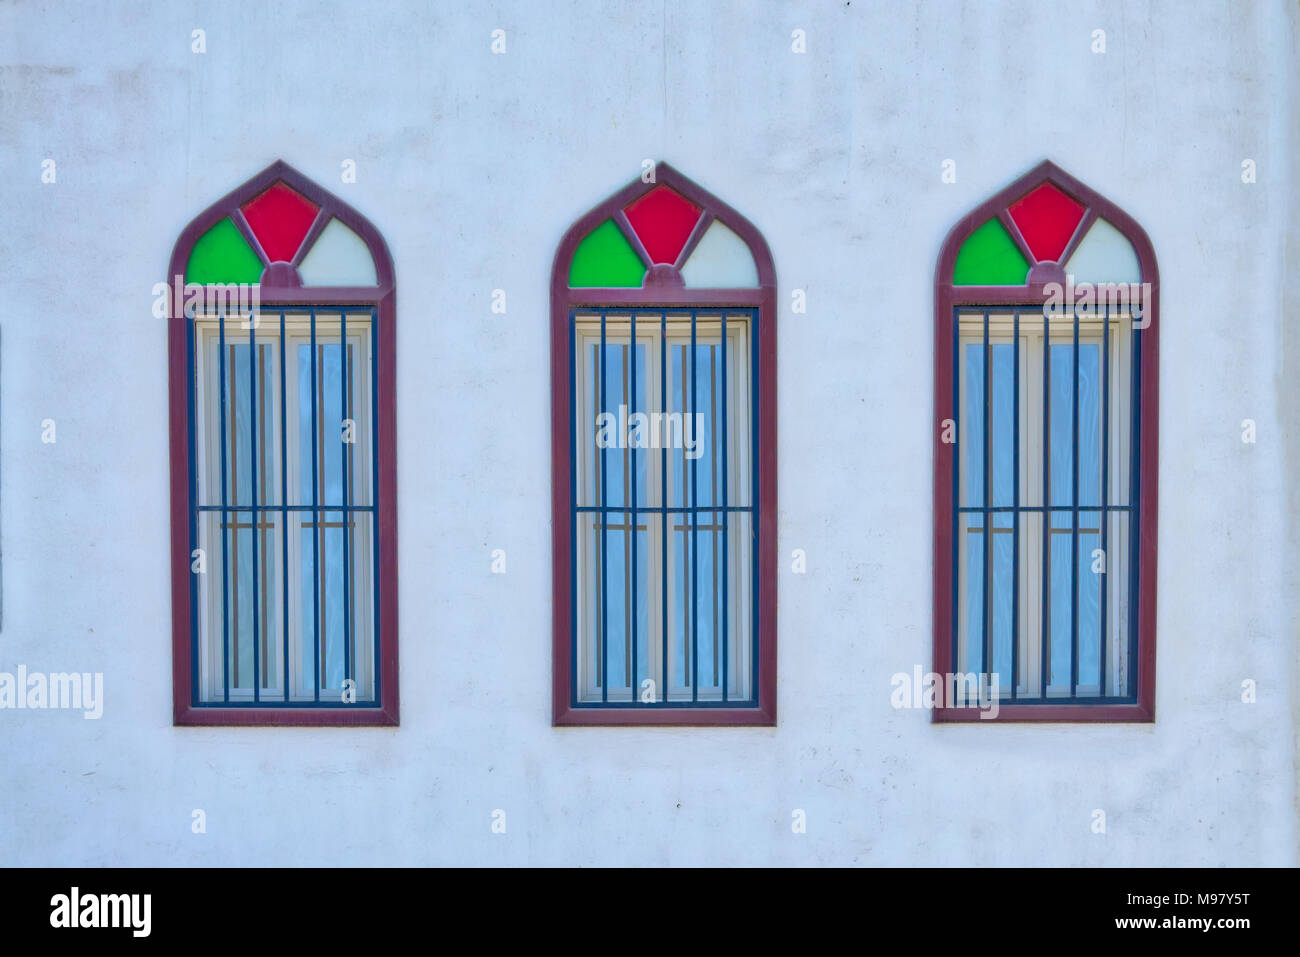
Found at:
[281, 358]
[1046, 316]
[663, 463]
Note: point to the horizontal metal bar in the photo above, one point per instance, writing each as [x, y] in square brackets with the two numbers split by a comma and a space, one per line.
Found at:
[279, 705]
[290, 508]
[664, 703]
[1007, 509]
[658, 509]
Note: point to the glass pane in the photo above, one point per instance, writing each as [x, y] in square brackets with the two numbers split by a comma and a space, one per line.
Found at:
[721, 260]
[1089, 424]
[222, 255]
[1001, 597]
[1089, 603]
[280, 218]
[970, 656]
[972, 424]
[740, 666]
[1061, 471]
[615, 607]
[989, 257]
[338, 257]
[1003, 422]
[606, 258]
[1105, 255]
[1046, 218]
[208, 592]
[663, 220]
[1060, 570]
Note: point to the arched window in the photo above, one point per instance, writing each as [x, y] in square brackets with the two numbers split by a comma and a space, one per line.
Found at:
[663, 417]
[283, 505]
[1046, 360]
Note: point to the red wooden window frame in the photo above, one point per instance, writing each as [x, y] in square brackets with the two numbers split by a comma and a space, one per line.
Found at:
[280, 286]
[1033, 293]
[662, 288]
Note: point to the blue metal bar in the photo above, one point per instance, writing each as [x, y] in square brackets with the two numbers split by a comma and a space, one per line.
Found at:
[345, 453]
[573, 505]
[1074, 524]
[604, 521]
[254, 532]
[754, 500]
[986, 636]
[1039, 508]
[376, 673]
[315, 519]
[722, 460]
[663, 502]
[695, 527]
[284, 514]
[636, 545]
[263, 507]
[1015, 501]
[957, 544]
[1104, 498]
[1046, 586]
[191, 379]
[225, 515]
[1135, 517]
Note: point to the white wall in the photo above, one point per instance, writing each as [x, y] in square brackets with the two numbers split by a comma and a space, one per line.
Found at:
[473, 165]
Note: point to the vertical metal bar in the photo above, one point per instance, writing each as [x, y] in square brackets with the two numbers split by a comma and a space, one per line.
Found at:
[986, 609]
[1135, 505]
[191, 379]
[284, 510]
[225, 511]
[755, 524]
[663, 502]
[958, 545]
[1104, 500]
[1015, 501]
[376, 674]
[631, 532]
[1074, 518]
[604, 521]
[723, 461]
[573, 512]
[1045, 642]
[254, 530]
[695, 528]
[688, 542]
[345, 452]
[315, 521]
[233, 400]
[323, 552]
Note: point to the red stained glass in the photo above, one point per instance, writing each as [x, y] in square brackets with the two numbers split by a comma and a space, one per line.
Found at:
[1047, 219]
[280, 219]
[663, 221]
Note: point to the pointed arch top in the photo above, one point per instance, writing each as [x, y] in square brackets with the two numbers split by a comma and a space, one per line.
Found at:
[665, 239]
[287, 234]
[1044, 228]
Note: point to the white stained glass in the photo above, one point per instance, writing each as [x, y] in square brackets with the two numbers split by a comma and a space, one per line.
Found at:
[339, 257]
[722, 260]
[1104, 255]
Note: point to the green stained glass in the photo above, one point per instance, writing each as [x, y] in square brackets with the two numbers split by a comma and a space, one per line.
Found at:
[989, 257]
[222, 255]
[606, 258]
